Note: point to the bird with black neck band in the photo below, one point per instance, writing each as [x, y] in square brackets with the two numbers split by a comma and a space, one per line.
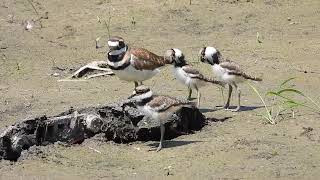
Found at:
[132, 64]
[158, 107]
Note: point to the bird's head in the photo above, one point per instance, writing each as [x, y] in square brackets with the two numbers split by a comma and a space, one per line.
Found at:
[209, 55]
[175, 56]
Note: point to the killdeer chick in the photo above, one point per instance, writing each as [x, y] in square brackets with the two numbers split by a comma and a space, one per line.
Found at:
[187, 74]
[226, 71]
[132, 64]
[158, 107]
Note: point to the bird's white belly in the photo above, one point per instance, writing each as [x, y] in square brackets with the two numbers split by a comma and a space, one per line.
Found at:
[162, 117]
[132, 74]
[222, 74]
[148, 111]
[183, 78]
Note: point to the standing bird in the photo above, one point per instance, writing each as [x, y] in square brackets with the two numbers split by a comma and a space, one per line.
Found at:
[226, 71]
[188, 75]
[132, 64]
[158, 107]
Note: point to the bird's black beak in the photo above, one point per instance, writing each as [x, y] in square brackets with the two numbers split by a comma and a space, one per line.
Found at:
[132, 95]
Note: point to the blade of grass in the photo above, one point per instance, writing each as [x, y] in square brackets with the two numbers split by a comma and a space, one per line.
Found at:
[286, 81]
[269, 117]
[291, 90]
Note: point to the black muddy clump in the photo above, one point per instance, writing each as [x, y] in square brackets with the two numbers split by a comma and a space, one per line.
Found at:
[120, 122]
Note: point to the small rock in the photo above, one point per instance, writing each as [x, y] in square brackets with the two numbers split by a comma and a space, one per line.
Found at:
[55, 74]
[28, 26]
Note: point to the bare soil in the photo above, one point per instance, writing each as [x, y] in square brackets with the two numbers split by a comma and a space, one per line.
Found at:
[242, 146]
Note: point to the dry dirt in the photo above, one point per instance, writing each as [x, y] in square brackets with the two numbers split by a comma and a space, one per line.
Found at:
[241, 147]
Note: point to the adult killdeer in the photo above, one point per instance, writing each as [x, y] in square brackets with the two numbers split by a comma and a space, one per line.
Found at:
[186, 74]
[226, 71]
[132, 64]
[158, 107]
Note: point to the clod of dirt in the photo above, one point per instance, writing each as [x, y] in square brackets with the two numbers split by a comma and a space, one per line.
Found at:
[120, 122]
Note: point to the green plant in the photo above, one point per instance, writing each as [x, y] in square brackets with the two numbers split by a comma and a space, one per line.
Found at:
[268, 116]
[285, 99]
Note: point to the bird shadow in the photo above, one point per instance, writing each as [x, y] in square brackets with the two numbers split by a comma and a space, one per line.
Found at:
[242, 108]
[172, 143]
[205, 110]
[218, 119]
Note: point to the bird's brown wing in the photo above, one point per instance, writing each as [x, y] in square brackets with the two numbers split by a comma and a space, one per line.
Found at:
[144, 59]
[234, 69]
[192, 72]
[161, 103]
[231, 66]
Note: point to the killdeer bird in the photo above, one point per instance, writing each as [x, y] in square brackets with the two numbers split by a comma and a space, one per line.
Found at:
[132, 64]
[158, 107]
[226, 71]
[186, 74]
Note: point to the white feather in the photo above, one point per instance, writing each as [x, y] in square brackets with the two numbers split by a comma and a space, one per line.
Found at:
[143, 96]
[116, 64]
[117, 52]
[113, 44]
[148, 111]
[222, 74]
[178, 52]
[132, 74]
[209, 52]
[186, 79]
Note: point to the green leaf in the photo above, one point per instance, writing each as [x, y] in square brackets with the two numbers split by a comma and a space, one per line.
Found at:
[273, 93]
[286, 81]
[290, 90]
[293, 104]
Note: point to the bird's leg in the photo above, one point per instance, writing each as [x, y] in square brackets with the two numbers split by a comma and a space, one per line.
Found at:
[239, 94]
[222, 94]
[94, 65]
[229, 96]
[198, 96]
[136, 84]
[190, 92]
[162, 129]
[141, 83]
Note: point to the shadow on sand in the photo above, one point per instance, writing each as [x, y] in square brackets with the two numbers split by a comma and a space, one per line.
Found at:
[242, 108]
[172, 143]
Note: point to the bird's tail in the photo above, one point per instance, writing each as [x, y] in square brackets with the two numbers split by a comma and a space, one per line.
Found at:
[246, 76]
[213, 81]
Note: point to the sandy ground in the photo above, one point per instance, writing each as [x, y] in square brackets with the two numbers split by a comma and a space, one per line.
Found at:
[241, 147]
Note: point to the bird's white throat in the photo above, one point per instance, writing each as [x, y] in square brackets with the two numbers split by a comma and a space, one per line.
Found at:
[143, 96]
[118, 52]
[209, 52]
[113, 44]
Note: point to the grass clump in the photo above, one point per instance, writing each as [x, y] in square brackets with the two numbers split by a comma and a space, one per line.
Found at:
[285, 99]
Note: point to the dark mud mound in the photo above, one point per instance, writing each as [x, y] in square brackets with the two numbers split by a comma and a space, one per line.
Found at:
[119, 122]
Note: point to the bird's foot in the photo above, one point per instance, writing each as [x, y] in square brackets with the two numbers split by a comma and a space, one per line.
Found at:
[159, 148]
[233, 110]
[236, 109]
[226, 106]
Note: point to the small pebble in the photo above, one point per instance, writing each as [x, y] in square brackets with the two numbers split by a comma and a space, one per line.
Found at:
[55, 74]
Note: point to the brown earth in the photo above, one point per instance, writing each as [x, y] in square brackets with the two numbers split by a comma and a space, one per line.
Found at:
[241, 147]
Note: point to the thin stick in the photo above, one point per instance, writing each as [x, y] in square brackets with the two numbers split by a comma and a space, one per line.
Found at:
[35, 10]
[95, 150]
